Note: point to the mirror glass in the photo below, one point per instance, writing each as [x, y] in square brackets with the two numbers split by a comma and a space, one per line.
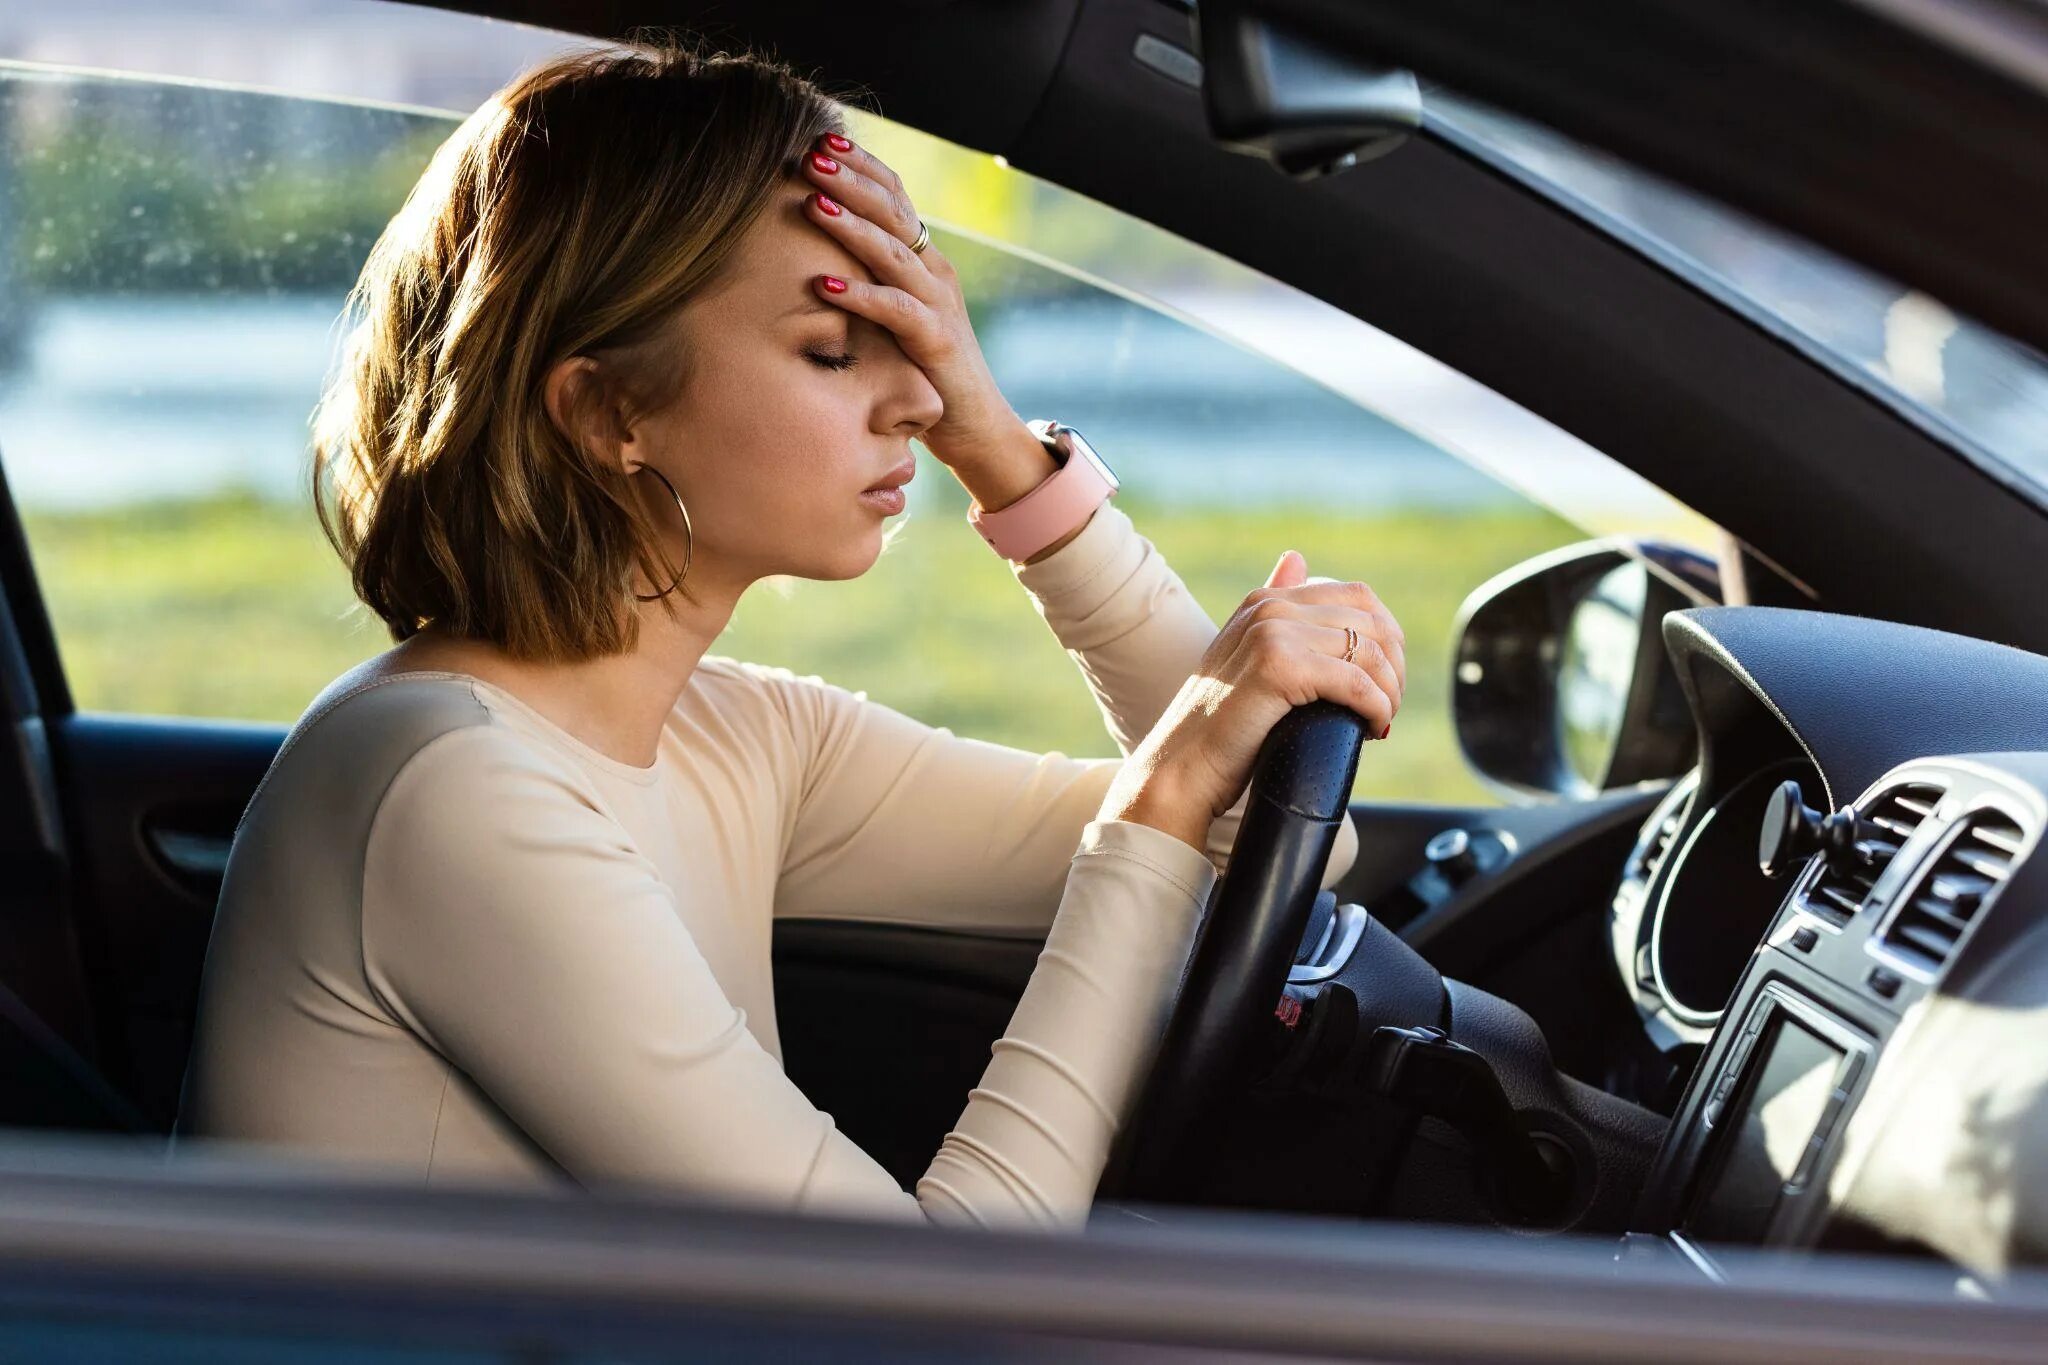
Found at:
[1596, 667]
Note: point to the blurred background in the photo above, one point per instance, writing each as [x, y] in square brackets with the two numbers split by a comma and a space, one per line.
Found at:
[187, 191]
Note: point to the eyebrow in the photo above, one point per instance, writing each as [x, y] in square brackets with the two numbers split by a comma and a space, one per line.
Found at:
[813, 305]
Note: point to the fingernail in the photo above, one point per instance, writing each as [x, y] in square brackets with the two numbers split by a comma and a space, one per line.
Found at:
[838, 143]
[824, 163]
[1388, 731]
[833, 284]
[827, 205]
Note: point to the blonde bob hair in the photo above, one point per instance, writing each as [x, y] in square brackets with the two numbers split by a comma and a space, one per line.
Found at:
[575, 213]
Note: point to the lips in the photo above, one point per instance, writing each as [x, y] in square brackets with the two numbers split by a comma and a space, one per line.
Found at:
[895, 478]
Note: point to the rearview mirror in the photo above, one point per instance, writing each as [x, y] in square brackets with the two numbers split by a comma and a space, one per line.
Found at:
[1560, 683]
[1309, 111]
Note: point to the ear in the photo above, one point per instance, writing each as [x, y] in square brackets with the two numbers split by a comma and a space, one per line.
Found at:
[579, 405]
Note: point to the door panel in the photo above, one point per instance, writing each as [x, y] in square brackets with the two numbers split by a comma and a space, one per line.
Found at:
[150, 806]
[887, 1028]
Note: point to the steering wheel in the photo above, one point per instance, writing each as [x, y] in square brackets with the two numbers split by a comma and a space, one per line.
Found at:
[1300, 788]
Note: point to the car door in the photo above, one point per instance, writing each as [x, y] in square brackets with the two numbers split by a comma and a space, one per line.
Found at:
[107, 1259]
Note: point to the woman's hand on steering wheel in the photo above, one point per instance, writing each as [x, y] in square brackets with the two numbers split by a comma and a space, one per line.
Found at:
[1283, 647]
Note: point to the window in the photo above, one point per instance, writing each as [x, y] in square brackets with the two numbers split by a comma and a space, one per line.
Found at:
[173, 257]
[1976, 389]
[177, 252]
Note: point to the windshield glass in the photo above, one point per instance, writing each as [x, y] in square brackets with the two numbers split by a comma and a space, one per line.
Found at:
[1974, 388]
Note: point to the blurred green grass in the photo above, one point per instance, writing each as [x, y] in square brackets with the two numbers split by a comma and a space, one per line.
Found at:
[233, 606]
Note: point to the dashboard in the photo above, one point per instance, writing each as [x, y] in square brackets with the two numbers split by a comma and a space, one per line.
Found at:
[1866, 1074]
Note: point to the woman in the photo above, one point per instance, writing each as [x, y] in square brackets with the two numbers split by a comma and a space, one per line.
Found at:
[502, 905]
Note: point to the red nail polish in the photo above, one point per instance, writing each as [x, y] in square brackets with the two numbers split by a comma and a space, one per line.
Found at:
[833, 284]
[827, 205]
[1388, 731]
[824, 163]
[838, 143]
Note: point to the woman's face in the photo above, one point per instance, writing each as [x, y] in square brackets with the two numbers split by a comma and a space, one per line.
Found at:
[793, 408]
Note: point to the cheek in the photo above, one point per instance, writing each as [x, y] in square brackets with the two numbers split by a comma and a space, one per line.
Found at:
[793, 470]
[814, 432]
[785, 442]
[813, 417]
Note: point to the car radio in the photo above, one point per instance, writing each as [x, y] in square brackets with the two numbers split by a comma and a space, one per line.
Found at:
[1771, 1117]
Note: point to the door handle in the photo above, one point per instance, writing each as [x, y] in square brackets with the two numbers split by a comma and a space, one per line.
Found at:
[190, 852]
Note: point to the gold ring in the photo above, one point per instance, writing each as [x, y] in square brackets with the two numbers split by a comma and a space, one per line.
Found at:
[1350, 643]
[924, 237]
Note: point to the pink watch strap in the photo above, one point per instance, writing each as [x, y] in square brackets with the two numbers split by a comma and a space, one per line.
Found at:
[1065, 500]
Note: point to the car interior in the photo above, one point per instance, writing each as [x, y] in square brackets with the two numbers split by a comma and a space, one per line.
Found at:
[1760, 918]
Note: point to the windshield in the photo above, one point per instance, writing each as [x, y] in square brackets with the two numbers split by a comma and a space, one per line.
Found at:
[1973, 388]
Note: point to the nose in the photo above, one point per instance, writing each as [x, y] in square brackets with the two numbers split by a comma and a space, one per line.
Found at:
[911, 403]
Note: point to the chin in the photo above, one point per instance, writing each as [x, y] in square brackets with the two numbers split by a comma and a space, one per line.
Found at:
[850, 558]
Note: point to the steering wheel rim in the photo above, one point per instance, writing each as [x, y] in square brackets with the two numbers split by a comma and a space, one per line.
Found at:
[1300, 790]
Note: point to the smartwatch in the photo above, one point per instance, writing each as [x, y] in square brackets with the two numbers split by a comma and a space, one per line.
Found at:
[1066, 499]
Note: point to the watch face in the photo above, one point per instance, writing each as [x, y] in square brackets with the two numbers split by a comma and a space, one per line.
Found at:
[1079, 445]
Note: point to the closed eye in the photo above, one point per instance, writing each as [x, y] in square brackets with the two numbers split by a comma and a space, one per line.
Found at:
[830, 361]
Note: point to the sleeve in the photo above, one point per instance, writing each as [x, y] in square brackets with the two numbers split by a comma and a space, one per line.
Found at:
[897, 820]
[512, 924]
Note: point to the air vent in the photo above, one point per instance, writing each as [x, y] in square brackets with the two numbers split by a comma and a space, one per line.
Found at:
[1839, 891]
[1932, 916]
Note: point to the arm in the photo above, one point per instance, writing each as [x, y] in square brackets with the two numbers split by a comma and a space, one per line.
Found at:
[901, 821]
[513, 925]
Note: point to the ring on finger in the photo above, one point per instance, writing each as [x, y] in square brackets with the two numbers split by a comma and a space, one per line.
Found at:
[1350, 643]
[924, 237]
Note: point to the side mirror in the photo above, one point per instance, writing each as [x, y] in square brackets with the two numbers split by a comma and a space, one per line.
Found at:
[1560, 683]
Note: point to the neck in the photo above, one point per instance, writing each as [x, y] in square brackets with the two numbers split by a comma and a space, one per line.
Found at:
[617, 704]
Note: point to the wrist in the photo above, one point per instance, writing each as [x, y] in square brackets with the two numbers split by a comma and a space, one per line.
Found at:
[999, 467]
[1153, 800]
[1193, 833]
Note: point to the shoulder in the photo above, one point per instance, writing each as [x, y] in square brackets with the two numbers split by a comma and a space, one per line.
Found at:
[724, 671]
[343, 750]
[344, 757]
[487, 800]
[406, 773]
[799, 700]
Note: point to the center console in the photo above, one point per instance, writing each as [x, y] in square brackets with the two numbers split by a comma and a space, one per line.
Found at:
[1892, 894]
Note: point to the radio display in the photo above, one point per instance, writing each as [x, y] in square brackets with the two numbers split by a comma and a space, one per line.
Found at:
[1769, 1125]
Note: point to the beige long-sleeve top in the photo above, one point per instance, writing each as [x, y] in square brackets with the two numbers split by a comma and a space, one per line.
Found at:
[456, 940]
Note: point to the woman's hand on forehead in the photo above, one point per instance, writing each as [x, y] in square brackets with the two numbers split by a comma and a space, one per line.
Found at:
[916, 295]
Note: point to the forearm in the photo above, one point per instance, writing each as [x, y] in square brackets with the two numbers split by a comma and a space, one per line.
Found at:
[1010, 466]
[1031, 1144]
[1125, 617]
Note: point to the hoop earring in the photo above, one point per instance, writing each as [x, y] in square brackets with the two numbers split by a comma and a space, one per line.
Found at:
[689, 537]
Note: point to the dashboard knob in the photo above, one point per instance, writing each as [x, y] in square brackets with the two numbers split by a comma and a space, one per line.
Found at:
[1451, 853]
